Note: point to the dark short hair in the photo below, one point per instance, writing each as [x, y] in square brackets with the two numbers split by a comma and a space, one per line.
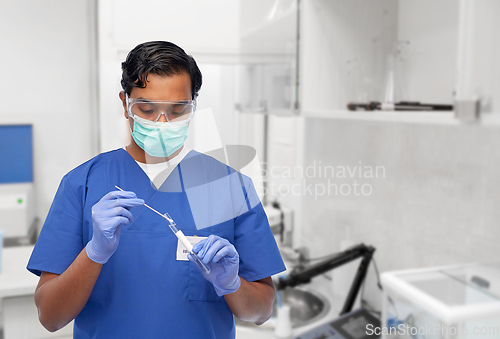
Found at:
[161, 58]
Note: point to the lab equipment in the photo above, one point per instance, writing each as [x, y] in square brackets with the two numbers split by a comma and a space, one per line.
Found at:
[397, 106]
[461, 301]
[278, 298]
[304, 275]
[17, 194]
[174, 111]
[283, 327]
[108, 215]
[281, 222]
[224, 261]
[178, 233]
[16, 149]
[18, 212]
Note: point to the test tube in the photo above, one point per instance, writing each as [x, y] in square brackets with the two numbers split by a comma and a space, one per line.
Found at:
[178, 233]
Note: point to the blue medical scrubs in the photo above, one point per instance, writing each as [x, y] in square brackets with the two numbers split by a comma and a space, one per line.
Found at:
[143, 291]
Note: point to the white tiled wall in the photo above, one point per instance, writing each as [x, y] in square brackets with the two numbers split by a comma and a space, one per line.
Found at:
[437, 204]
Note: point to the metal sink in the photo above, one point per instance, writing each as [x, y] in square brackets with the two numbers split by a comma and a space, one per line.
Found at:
[306, 307]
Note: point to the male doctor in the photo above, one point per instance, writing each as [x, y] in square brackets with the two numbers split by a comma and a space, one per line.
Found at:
[114, 266]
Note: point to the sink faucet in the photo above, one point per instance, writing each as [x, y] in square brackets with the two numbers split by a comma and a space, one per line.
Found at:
[302, 275]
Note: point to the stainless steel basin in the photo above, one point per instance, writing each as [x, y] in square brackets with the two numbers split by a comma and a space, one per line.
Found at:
[306, 307]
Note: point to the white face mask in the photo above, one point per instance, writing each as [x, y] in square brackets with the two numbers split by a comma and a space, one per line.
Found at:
[159, 139]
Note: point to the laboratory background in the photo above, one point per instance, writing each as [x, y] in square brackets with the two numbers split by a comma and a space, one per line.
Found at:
[371, 129]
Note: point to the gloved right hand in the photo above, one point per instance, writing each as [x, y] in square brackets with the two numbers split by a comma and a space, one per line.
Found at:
[108, 217]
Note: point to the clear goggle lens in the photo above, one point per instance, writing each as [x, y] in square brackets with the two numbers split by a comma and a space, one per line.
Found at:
[174, 111]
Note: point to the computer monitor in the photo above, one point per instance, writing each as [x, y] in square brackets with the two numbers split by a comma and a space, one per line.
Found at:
[17, 198]
[16, 152]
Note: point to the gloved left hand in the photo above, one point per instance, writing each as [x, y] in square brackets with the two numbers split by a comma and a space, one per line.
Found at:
[223, 260]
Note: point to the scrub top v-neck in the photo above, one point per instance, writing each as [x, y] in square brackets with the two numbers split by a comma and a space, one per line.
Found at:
[144, 291]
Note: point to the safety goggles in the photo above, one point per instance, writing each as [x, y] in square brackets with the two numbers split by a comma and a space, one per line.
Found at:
[174, 111]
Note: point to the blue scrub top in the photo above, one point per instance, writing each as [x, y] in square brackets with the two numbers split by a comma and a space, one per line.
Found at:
[143, 291]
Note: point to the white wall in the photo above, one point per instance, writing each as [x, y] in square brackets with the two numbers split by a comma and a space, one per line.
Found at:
[218, 94]
[48, 81]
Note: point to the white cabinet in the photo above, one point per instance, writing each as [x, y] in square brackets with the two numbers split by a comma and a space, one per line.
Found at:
[267, 74]
[266, 87]
[442, 50]
[341, 51]
[268, 29]
[343, 48]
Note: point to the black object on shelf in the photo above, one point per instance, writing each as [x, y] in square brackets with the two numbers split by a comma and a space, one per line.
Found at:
[304, 275]
[397, 106]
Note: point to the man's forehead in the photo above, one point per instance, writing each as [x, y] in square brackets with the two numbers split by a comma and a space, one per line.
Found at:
[165, 88]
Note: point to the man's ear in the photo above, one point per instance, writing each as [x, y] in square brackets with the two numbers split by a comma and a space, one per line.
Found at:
[124, 103]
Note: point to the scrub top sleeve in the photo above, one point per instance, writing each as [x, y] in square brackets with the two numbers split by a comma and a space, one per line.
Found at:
[255, 243]
[60, 239]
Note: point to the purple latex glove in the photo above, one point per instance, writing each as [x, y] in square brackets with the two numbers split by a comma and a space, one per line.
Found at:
[223, 260]
[108, 217]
